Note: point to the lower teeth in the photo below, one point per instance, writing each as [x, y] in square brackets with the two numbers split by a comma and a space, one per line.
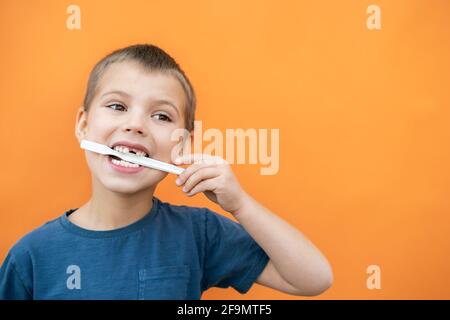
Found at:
[125, 164]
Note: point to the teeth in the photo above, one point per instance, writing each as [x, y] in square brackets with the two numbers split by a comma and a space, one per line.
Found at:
[124, 163]
[141, 153]
[127, 150]
[122, 149]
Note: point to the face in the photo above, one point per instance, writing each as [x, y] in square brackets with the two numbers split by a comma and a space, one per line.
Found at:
[136, 106]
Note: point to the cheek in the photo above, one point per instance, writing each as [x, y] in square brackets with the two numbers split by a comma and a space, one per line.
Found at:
[164, 146]
[92, 160]
[99, 123]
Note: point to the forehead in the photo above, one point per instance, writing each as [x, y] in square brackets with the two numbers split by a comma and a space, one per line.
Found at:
[141, 84]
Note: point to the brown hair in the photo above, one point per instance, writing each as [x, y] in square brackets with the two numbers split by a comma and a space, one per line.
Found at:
[153, 59]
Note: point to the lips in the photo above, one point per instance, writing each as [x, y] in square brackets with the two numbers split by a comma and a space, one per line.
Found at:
[136, 146]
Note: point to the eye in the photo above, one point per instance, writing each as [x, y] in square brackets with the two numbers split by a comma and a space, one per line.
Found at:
[114, 106]
[163, 117]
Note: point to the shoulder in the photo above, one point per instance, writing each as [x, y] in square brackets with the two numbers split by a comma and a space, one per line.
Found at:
[202, 217]
[203, 214]
[23, 250]
[183, 212]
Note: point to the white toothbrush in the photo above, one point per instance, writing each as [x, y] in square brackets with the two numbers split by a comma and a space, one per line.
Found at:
[143, 161]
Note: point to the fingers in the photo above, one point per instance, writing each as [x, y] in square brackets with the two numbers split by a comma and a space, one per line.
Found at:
[204, 185]
[182, 177]
[203, 169]
[199, 176]
[200, 161]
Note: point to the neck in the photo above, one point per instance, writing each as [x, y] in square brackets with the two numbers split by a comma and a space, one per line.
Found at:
[108, 210]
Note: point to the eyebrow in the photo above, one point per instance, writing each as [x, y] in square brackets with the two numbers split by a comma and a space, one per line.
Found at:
[159, 101]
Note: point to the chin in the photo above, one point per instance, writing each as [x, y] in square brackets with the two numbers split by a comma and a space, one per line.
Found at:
[124, 187]
[132, 186]
[115, 182]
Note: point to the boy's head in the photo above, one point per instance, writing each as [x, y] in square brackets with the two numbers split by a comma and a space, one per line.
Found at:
[150, 58]
[136, 95]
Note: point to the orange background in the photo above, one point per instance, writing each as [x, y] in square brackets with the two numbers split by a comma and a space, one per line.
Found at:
[363, 118]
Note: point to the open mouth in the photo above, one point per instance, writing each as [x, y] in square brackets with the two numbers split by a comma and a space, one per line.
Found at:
[117, 158]
[125, 150]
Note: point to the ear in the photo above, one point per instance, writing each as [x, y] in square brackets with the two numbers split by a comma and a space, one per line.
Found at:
[188, 140]
[185, 141]
[81, 124]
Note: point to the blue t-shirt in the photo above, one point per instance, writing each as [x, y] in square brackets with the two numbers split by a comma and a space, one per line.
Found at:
[174, 252]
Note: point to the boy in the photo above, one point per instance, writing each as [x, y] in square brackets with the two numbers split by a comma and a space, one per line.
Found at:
[124, 243]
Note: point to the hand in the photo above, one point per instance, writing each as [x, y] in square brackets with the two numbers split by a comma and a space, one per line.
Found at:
[213, 176]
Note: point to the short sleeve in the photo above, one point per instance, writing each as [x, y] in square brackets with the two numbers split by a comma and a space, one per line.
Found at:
[232, 257]
[12, 283]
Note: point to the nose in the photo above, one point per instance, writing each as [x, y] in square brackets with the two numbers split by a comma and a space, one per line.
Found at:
[135, 123]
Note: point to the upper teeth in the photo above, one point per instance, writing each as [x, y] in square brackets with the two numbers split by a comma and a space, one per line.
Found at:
[128, 149]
